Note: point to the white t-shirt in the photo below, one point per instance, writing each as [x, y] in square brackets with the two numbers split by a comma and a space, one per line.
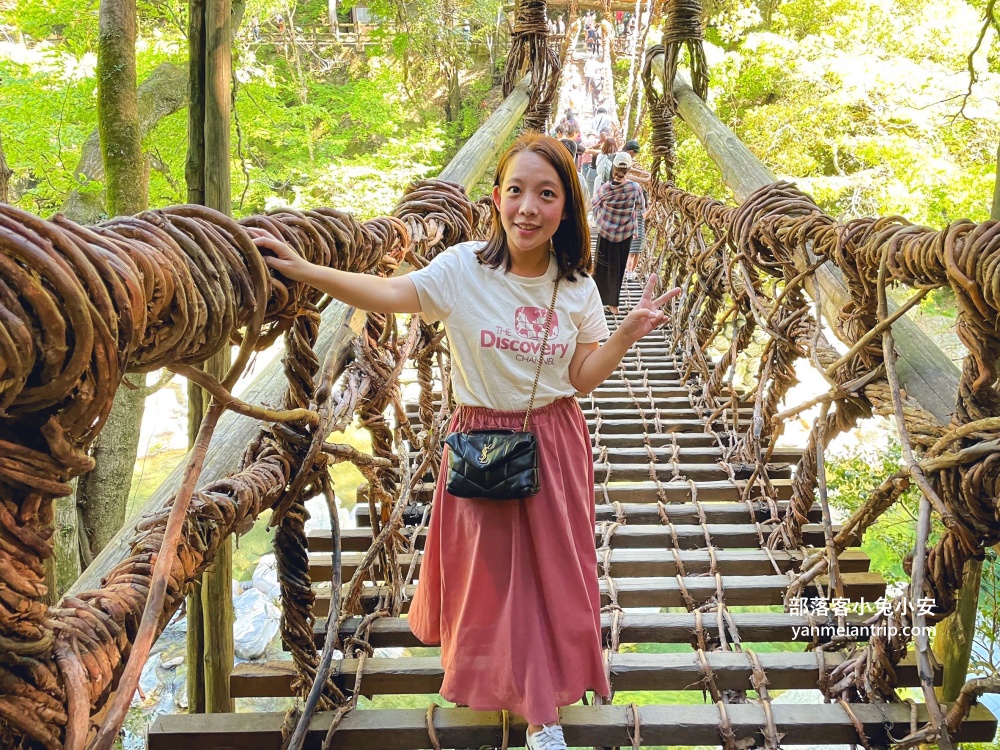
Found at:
[495, 322]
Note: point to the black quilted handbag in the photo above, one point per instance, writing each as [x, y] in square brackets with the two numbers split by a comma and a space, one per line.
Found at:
[498, 464]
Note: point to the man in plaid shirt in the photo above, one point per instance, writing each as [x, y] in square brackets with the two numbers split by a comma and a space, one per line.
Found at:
[616, 207]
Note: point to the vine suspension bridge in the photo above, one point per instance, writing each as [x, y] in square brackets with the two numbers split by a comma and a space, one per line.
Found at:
[699, 512]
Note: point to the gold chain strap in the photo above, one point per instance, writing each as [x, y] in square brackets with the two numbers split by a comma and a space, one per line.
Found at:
[541, 354]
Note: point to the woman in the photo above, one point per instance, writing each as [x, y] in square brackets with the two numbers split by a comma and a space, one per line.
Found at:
[640, 176]
[509, 588]
[602, 163]
[616, 206]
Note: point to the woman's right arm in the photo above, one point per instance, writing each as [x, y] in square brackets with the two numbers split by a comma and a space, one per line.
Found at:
[364, 291]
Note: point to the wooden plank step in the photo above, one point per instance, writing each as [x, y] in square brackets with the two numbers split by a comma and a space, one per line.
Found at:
[642, 513]
[584, 726]
[688, 455]
[631, 472]
[644, 627]
[631, 424]
[669, 404]
[635, 371]
[666, 415]
[636, 471]
[638, 563]
[627, 536]
[673, 407]
[416, 675]
[646, 491]
[740, 591]
[683, 439]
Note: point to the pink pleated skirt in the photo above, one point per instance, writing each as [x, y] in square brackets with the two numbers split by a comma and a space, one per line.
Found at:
[509, 588]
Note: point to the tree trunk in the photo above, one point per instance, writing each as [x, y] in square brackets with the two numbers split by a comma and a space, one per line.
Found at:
[102, 494]
[118, 108]
[161, 94]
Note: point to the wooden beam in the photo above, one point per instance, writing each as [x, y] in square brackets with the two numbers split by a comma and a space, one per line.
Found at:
[637, 563]
[647, 513]
[928, 374]
[416, 675]
[217, 616]
[739, 590]
[643, 627]
[625, 404]
[630, 536]
[619, 425]
[648, 492]
[210, 640]
[954, 636]
[620, 455]
[584, 726]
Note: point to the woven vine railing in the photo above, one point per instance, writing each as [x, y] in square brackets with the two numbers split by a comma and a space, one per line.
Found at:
[744, 268]
[82, 306]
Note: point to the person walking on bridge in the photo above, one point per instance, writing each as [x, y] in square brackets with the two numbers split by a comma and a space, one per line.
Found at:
[509, 588]
[616, 205]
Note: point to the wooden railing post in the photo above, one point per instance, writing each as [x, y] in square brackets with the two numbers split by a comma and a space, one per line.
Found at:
[210, 646]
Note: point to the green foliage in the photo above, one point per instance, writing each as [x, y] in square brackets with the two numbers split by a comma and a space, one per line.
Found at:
[315, 125]
[46, 115]
[851, 477]
[858, 101]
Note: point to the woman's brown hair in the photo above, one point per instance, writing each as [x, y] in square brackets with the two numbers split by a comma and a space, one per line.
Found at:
[610, 146]
[572, 239]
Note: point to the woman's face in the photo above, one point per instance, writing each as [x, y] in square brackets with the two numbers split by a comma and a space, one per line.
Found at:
[531, 201]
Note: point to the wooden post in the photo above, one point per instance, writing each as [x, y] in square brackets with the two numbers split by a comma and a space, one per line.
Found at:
[927, 373]
[194, 169]
[194, 172]
[210, 604]
[218, 103]
[954, 635]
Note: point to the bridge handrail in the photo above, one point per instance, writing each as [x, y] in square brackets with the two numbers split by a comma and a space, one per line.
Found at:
[927, 373]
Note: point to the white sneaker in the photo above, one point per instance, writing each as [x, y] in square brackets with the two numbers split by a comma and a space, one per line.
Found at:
[550, 738]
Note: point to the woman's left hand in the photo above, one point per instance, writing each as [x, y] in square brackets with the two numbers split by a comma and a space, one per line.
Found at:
[648, 314]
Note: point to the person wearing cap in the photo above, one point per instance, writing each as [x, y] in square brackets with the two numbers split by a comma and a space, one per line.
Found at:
[616, 206]
[636, 174]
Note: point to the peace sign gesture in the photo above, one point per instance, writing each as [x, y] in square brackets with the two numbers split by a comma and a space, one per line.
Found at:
[647, 315]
